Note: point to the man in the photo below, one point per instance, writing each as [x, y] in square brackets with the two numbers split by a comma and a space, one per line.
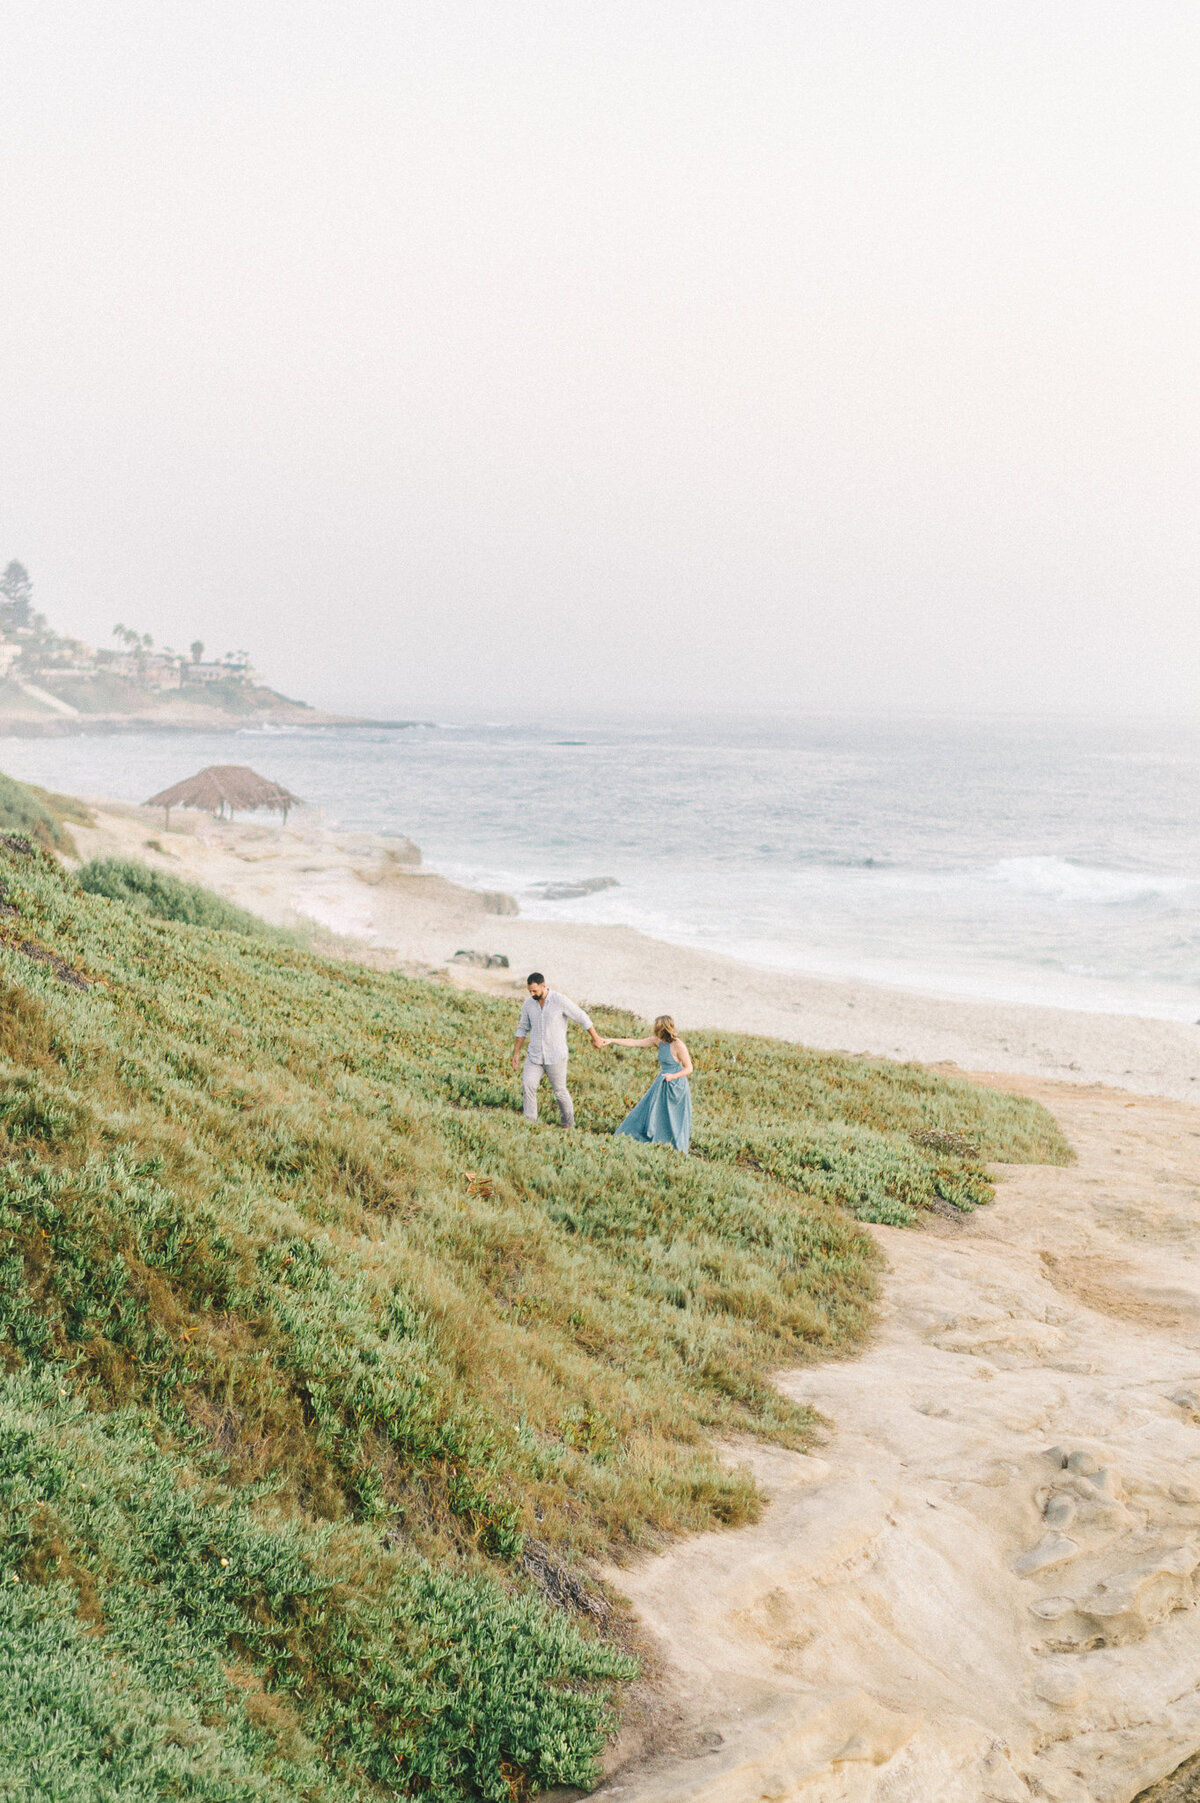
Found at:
[543, 1023]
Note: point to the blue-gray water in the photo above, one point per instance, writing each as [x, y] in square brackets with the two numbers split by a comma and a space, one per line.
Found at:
[1024, 860]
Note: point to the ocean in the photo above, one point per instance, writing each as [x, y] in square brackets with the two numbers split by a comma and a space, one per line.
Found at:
[1016, 859]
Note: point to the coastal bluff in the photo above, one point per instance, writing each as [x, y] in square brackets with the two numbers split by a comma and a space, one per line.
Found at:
[55, 686]
[56, 707]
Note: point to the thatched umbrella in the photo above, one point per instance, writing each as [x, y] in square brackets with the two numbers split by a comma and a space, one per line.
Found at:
[222, 788]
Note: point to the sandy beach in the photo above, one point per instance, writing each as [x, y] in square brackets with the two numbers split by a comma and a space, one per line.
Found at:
[364, 888]
[983, 1584]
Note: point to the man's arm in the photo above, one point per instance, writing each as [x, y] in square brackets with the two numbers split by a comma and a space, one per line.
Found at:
[575, 1013]
[524, 1029]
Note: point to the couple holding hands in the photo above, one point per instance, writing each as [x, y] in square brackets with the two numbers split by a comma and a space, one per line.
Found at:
[664, 1114]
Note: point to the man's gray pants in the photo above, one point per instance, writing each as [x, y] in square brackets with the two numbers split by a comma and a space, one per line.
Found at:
[557, 1074]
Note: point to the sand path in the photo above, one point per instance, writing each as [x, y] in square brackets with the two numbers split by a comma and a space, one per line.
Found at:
[935, 1609]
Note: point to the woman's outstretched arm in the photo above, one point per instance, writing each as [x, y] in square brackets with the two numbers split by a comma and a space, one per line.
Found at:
[637, 1042]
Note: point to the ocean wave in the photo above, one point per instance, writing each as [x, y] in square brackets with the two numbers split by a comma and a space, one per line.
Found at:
[1063, 879]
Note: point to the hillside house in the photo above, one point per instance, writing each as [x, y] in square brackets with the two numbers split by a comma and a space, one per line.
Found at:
[117, 663]
[152, 670]
[214, 673]
[64, 657]
[161, 672]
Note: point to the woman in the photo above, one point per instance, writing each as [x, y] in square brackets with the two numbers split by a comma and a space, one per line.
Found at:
[664, 1114]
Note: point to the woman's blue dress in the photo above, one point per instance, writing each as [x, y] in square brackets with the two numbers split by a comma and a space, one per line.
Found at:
[664, 1114]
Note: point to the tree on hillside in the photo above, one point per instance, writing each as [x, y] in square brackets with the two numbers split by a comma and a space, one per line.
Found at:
[136, 643]
[197, 650]
[17, 590]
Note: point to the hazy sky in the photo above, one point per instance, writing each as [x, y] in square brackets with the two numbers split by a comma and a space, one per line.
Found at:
[663, 354]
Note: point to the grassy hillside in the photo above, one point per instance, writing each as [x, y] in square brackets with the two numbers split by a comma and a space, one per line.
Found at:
[105, 694]
[167, 897]
[40, 815]
[325, 1374]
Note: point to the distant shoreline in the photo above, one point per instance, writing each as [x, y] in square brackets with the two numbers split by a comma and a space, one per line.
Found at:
[54, 703]
[106, 725]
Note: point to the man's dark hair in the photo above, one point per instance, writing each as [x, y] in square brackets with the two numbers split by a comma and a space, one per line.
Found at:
[535, 976]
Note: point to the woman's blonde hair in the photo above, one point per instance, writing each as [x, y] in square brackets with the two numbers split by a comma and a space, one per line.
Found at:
[664, 1027]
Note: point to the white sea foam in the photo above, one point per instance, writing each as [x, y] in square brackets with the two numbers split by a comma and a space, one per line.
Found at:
[1063, 879]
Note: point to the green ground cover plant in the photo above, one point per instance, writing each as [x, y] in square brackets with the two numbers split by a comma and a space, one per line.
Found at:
[40, 815]
[326, 1375]
[166, 897]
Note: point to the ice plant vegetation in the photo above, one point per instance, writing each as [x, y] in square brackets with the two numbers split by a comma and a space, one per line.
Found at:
[325, 1376]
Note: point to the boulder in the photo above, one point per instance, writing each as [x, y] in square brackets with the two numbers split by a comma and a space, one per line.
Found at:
[587, 885]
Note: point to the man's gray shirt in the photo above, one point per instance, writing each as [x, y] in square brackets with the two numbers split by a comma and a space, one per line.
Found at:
[545, 1027]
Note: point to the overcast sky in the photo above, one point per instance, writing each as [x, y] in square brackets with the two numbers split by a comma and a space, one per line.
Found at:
[489, 355]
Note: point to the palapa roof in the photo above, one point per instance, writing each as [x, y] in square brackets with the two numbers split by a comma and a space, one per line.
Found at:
[234, 786]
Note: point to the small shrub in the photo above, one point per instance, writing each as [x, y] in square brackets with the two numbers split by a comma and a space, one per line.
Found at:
[156, 1633]
[32, 813]
[165, 897]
